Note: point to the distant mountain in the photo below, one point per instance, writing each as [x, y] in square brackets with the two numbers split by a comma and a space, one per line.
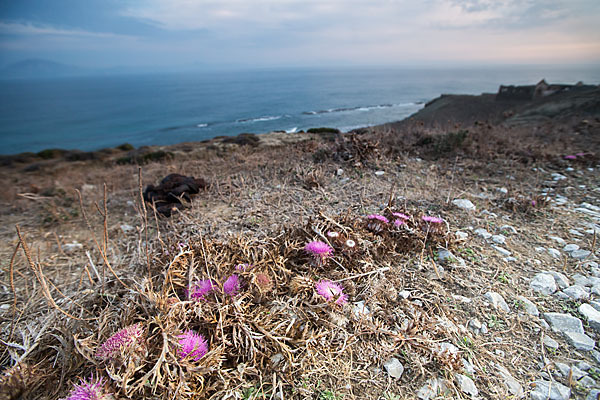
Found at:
[40, 68]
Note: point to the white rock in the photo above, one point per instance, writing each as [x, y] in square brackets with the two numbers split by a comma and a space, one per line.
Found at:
[70, 248]
[564, 322]
[580, 254]
[553, 252]
[405, 294]
[581, 280]
[513, 386]
[127, 228]
[431, 389]
[543, 284]
[394, 367]
[361, 310]
[575, 232]
[462, 235]
[500, 239]
[502, 190]
[508, 229]
[497, 301]
[529, 306]
[592, 315]
[464, 204]
[570, 247]
[580, 341]
[501, 250]
[467, 385]
[550, 343]
[558, 240]
[379, 173]
[556, 391]
[576, 292]
[558, 177]
[561, 280]
[483, 233]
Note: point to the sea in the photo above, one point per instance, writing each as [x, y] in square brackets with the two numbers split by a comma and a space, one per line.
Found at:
[94, 112]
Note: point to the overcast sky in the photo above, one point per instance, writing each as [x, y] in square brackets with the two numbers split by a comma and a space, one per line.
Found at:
[262, 33]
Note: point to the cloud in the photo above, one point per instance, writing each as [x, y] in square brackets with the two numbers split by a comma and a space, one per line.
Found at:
[29, 29]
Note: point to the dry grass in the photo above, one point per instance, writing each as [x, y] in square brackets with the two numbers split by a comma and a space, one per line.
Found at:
[277, 338]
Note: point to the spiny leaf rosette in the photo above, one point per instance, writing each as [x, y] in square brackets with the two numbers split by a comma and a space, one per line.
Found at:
[320, 252]
[130, 339]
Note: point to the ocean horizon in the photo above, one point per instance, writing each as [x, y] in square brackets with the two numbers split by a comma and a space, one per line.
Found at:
[94, 112]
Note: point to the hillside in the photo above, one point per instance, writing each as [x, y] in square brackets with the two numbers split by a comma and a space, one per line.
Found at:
[483, 283]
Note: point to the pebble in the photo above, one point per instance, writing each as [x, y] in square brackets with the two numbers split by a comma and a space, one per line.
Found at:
[127, 228]
[462, 299]
[553, 252]
[593, 395]
[595, 304]
[570, 247]
[556, 391]
[462, 235]
[464, 204]
[561, 280]
[475, 324]
[592, 315]
[483, 233]
[501, 250]
[580, 254]
[513, 386]
[558, 240]
[543, 283]
[529, 306]
[576, 292]
[467, 385]
[587, 382]
[575, 232]
[276, 359]
[508, 229]
[379, 173]
[70, 248]
[584, 366]
[562, 368]
[581, 280]
[576, 373]
[550, 343]
[580, 341]
[446, 257]
[431, 389]
[558, 177]
[361, 310]
[497, 301]
[484, 329]
[405, 294]
[500, 239]
[564, 322]
[394, 367]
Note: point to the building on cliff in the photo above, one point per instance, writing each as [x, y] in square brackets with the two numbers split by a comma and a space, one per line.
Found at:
[531, 92]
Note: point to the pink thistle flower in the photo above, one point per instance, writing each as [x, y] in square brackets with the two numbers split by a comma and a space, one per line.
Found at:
[232, 285]
[319, 250]
[399, 222]
[193, 345]
[533, 203]
[580, 154]
[401, 216]
[90, 390]
[378, 217]
[376, 222]
[125, 339]
[202, 289]
[331, 291]
[433, 220]
[570, 157]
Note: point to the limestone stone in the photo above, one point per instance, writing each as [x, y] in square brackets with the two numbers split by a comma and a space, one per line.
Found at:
[394, 367]
[497, 301]
[564, 322]
[592, 315]
[529, 306]
[546, 390]
[576, 292]
[580, 341]
[464, 204]
[467, 385]
[543, 284]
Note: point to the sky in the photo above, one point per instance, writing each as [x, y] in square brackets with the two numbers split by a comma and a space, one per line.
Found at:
[286, 33]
